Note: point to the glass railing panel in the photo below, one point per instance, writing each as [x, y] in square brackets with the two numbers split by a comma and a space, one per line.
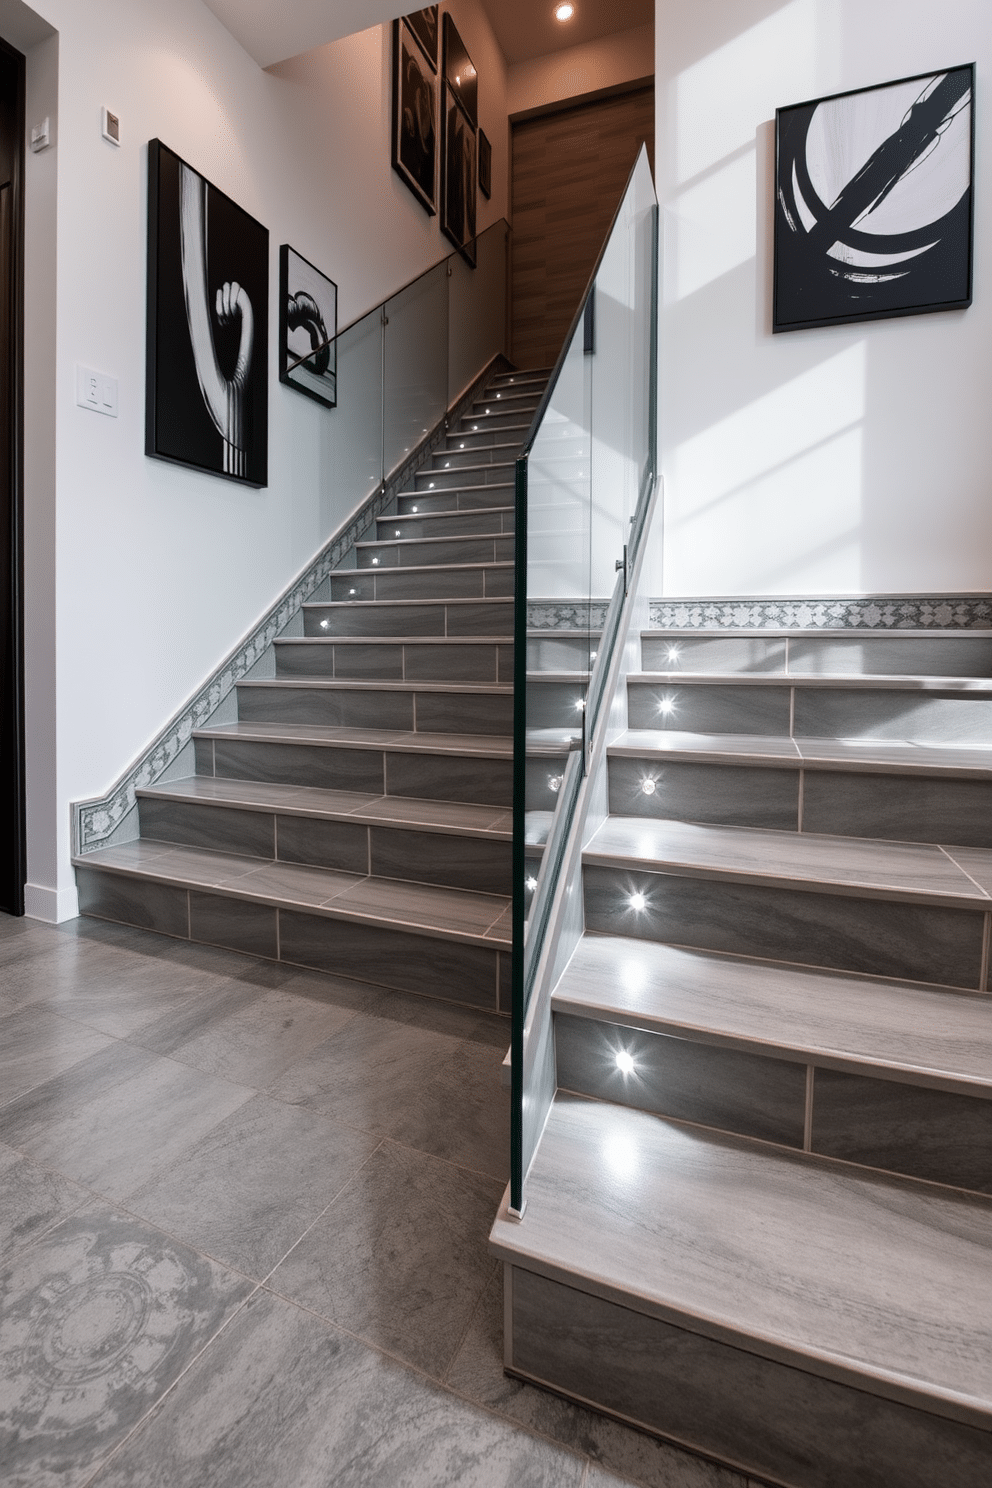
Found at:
[352, 469]
[477, 323]
[415, 382]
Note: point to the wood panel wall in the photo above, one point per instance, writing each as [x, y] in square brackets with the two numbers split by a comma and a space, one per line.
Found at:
[569, 170]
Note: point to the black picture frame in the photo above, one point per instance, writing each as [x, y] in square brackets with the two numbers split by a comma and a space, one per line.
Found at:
[308, 328]
[874, 202]
[423, 24]
[206, 382]
[459, 178]
[459, 71]
[415, 109]
[485, 165]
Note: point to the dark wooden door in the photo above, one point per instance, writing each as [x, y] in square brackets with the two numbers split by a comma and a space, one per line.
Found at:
[569, 171]
[12, 861]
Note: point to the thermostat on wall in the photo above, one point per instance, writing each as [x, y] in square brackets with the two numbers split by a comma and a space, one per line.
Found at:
[111, 127]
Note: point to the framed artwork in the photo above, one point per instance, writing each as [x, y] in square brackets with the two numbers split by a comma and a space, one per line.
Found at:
[423, 24]
[415, 88]
[206, 385]
[485, 166]
[459, 74]
[308, 328]
[874, 202]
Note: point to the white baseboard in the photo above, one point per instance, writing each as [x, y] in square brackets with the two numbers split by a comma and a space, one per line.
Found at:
[51, 905]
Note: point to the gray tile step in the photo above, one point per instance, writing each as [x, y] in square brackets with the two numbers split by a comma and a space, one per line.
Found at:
[468, 477]
[835, 1295]
[520, 400]
[560, 651]
[487, 417]
[886, 909]
[486, 521]
[487, 447]
[477, 769]
[412, 503]
[883, 1074]
[445, 659]
[431, 707]
[392, 617]
[423, 552]
[922, 710]
[453, 581]
[906, 794]
[935, 653]
[436, 842]
[438, 942]
[521, 376]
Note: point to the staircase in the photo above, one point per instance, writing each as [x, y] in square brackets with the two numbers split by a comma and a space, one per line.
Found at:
[356, 818]
[759, 1222]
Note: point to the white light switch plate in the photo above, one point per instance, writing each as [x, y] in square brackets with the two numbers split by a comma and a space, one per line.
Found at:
[96, 391]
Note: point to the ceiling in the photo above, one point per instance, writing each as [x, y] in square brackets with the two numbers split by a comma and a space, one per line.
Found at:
[524, 28]
[527, 28]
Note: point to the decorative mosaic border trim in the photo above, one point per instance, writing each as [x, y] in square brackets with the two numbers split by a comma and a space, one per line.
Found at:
[869, 612]
[96, 819]
[566, 614]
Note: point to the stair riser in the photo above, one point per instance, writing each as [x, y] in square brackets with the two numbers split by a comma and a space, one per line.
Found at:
[480, 439]
[905, 1128]
[410, 662]
[443, 858]
[417, 502]
[479, 780]
[881, 937]
[758, 1415]
[523, 403]
[561, 654]
[445, 970]
[555, 705]
[439, 552]
[499, 523]
[936, 718]
[967, 655]
[439, 583]
[481, 420]
[406, 710]
[462, 453]
[898, 808]
[458, 480]
[483, 619]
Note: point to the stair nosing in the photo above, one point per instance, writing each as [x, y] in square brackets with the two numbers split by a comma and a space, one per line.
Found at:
[880, 763]
[347, 684]
[411, 542]
[858, 681]
[336, 737]
[363, 604]
[384, 640]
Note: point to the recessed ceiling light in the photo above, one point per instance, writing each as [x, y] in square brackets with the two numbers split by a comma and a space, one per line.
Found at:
[564, 12]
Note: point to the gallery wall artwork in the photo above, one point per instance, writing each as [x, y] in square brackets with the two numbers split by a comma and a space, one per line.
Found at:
[206, 394]
[485, 166]
[415, 104]
[874, 208]
[459, 143]
[308, 327]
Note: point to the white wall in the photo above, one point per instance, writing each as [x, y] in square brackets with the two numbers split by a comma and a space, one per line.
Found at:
[608, 62]
[852, 459]
[158, 571]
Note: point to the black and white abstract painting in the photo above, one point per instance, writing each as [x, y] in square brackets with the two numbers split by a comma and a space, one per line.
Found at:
[308, 328]
[873, 210]
[459, 169]
[423, 24]
[206, 390]
[414, 117]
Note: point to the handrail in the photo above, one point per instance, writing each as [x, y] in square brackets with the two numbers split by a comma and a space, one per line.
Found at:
[541, 409]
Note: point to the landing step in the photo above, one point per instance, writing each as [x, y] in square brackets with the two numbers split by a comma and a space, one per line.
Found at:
[863, 1280]
[951, 877]
[935, 1038]
[863, 755]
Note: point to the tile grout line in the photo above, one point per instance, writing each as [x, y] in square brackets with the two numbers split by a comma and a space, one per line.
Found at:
[808, 1114]
[983, 980]
[802, 799]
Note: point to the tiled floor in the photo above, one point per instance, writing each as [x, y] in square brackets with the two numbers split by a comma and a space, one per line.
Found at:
[243, 1225]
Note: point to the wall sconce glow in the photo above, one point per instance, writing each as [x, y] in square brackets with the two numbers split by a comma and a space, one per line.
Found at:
[564, 12]
[624, 1063]
[531, 884]
[638, 902]
[666, 706]
[648, 786]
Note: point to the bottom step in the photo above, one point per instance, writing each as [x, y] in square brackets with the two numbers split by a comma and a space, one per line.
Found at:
[798, 1319]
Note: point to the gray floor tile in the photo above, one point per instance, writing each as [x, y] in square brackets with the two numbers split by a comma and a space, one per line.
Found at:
[250, 1188]
[282, 1399]
[117, 1118]
[36, 1044]
[439, 1094]
[34, 1200]
[618, 1453]
[100, 1318]
[400, 1257]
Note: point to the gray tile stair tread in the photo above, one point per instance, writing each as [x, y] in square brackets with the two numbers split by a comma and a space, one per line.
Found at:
[350, 684]
[442, 570]
[943, 1039]
[446, 914]
[872, 1280]
[399, 640]
[312, 801]
[454, 490]
[796, 860]
[409, 543]
[363, 604]
[863, 755]
[493, 745]
[477, 511]
[861, 681]
[852, 633]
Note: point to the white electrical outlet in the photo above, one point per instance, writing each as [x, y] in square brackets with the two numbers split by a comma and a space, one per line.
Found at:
[96, 391]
